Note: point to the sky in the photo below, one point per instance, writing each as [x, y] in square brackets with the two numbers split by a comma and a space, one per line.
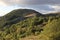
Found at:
[42, 6]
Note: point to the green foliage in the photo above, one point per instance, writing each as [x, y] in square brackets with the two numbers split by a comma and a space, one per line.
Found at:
[15, 25]
[51, 31]
[22, 28]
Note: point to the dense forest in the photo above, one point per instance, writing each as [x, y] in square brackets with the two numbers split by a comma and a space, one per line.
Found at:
[28, 24]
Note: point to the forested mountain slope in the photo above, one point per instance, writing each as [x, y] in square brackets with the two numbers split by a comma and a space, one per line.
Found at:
[26, 24]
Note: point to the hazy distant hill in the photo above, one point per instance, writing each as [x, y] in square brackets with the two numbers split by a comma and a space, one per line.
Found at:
[26, 24]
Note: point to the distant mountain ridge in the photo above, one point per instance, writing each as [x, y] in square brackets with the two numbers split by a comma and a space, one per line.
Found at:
[18, 15]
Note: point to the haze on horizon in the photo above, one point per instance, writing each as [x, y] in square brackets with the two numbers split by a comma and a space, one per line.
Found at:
[43, 6]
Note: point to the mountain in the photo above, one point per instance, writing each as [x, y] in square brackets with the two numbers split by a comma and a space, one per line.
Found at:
[18, 15]
[28, 24]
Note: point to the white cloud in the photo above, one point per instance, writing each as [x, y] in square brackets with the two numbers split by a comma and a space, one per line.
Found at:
[2, 13]
[55, 7]
[2, 3]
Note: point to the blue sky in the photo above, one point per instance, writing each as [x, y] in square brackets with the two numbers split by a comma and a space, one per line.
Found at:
[42, 6]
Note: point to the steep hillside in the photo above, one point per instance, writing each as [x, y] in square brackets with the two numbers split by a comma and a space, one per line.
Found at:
[27, 24]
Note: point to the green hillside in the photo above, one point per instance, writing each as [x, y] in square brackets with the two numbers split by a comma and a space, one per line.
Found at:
[28, 24]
